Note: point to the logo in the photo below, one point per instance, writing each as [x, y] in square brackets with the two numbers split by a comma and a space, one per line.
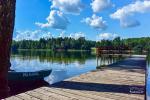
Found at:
[137, 90]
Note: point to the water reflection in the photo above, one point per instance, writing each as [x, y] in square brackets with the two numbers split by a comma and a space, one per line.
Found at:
[148, 78]
[63, 64]
[61, 57]
[103, 60]
[56, 76]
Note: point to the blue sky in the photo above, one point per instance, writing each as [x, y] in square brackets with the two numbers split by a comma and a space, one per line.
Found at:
[94, 19]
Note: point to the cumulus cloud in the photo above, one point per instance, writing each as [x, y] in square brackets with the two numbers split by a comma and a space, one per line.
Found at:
[47, 35]
[99, 5]
[68, 6]
[95, 22]
[56, 20]
[62, 34]
[126, 14]
[31, 35]
[107, 36]
[77, 35]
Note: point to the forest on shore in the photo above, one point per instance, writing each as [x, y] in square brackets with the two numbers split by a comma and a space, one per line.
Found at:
[136, 44]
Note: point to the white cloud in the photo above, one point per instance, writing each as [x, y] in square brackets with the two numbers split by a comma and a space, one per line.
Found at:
[99, 5]
[68, 6]
[62, 34]
[31, 35]
[38, 34]
[56, 20]
[126, 14]
[95, 22]
[107, 36]
[77, 35]
[47, 35]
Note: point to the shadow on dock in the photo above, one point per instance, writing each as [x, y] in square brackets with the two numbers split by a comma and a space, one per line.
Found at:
[99, 87]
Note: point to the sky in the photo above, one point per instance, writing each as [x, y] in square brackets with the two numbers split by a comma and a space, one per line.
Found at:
[92, 19]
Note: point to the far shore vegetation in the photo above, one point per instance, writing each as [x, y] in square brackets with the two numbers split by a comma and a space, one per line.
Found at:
[81, 44]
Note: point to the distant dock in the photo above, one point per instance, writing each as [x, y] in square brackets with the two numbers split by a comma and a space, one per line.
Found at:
[124, 80]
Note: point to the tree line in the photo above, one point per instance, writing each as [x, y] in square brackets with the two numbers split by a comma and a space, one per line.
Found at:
[136, 44]
[55, 44]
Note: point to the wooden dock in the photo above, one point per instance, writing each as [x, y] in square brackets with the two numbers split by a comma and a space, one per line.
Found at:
[124, 80]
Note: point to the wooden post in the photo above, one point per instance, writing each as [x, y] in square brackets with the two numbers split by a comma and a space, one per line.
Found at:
[7, 17]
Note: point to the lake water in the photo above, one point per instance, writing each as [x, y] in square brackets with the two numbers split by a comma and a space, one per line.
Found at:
[63, 64]
[148, 78]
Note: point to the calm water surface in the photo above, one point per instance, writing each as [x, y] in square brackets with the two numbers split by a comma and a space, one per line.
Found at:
[148, 78]
[63, 64]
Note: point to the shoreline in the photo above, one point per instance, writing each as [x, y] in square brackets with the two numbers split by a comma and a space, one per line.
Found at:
[69, 50]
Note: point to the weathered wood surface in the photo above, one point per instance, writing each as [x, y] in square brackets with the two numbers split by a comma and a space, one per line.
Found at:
[112, 83]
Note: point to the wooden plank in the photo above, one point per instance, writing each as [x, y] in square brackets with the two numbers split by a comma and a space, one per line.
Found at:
[27, 97]
[13, 98]
[52, 94]
[40, 96]
[79, 94]
[71, 95]
[106, 95]
[109, 95]
[105, 80]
